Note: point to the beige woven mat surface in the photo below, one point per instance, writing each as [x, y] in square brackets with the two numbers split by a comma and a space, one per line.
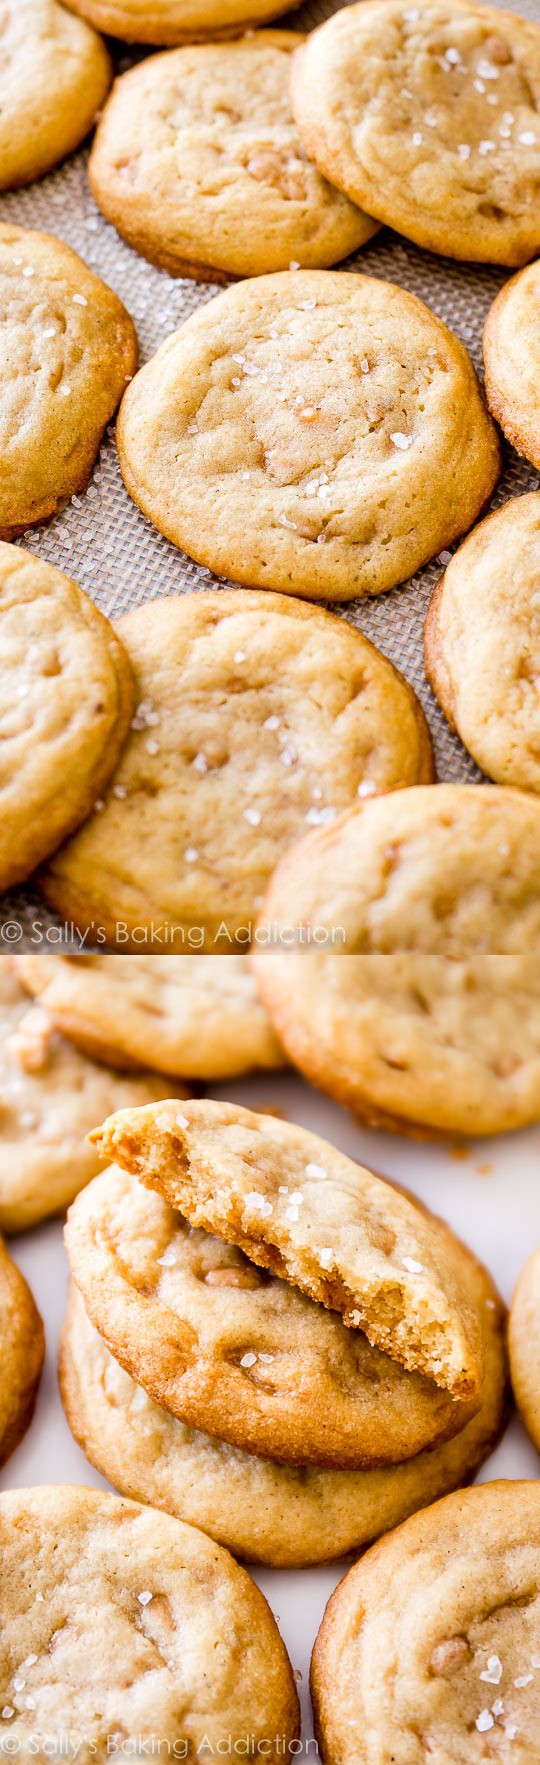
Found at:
[113, 551]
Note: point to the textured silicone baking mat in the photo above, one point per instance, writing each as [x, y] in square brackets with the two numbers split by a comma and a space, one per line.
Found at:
[113, 551]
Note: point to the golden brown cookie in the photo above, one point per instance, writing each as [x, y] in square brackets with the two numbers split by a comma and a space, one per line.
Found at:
[50, 1097]
[422, 1045]
[123, 1628]
[428, 117]
[23, 1352]
[256, 718]
[54, 75]
[431, 1644]
[311, 411]
[299, 1207]
[482, 643]
[195, 1015]
[524, 1343]
[197, 163]
[67, 349]
[66, 698]
[512, 361]
[176, 21]
[285, 1515]
[451, 870]
[238, 1354]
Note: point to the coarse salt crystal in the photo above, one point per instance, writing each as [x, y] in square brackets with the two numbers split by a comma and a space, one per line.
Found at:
[326, 1257]
[248, 1360]
[414, 1268]
[528, 138]
[271, 723]
[253, 816]
[258, 1203]
[200, 763]
[191, 855]
[524, 1679]
[79, 300]
[484, 1721]
[317, 1171]
[400, 440]
[464, 151]
[144, 1598]
[240, 656]
[494, 1670]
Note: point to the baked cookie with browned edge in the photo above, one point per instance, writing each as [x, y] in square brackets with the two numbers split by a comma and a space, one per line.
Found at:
[482, 643]
[197, 163]
[66, 698]
[23, 1352]
[54, 76]
[176, 21]
[428, 117]
[312, 410]
[197, 1016]
[421, 1045]
[288, 1516]
[451, 870]
[256, 718]
[228, 1349]
[297, 1206]
[430, 1645]
[511, 345]
[67, 350]
[50, 1097]
[524, 1343]
[122, 1625]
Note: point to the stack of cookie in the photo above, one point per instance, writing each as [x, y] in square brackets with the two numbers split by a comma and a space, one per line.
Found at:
[267, 1340]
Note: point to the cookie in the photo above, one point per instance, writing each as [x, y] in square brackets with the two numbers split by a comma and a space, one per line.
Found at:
[23, 1353]
[299, 1207]
[524, 1343]
[482, 643]
[123, 1628]
[256, 718]
[198, 1016]
[67, 348]
[66, 698]
[50, 1096]
[54, 76]
[311, 410]
[431, 1643]
[428, 118]
[284, 1515]
[198, 165]
[511, 346]
[420, 1045]
[451, 871]
[236, 1353]
[176, 21]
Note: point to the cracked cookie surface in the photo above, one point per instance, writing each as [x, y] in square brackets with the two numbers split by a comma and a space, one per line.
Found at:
[451, 870]
[50, 1097]
[169, 22]
[66, 698]
[256, 717]
[236, 1352]
[335, 423]
[287, 1516]
[67, 348]
[418, 1044]
[197, 1016]
[23, 1353]
[482, 643]
[428, 117]
[511, 346]
[54, 75]
[431, 1644]
[299, 1207]
[198, 164]
[524, 1344]
[123, 1623]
